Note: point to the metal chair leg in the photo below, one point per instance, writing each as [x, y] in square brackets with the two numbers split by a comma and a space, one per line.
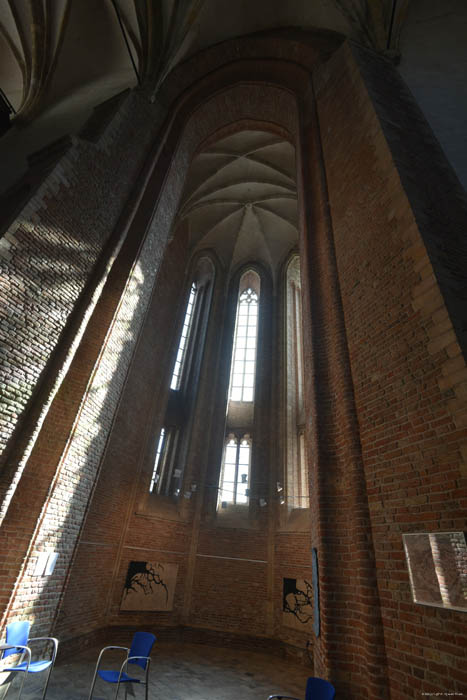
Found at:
[93, 684]
[21, 686]
[47, 682]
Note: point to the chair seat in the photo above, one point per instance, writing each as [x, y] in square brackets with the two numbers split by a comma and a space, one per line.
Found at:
[34, 666]
[112, 677]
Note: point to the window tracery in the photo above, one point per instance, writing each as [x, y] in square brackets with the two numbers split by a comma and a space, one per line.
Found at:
[234, 481]
[295, 462]
[174, 436]
[235, 476]
[244, 354]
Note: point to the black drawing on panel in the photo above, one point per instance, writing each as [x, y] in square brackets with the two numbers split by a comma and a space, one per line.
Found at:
[142, 577]
[298, 601]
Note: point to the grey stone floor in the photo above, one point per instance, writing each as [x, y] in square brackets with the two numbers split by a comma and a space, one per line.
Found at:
[178, 672]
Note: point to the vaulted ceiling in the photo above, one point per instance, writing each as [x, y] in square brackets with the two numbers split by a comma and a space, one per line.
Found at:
[52, 49]
[241, 201]
[61, 58]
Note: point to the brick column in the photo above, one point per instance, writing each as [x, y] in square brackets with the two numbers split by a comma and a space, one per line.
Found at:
[350, 648]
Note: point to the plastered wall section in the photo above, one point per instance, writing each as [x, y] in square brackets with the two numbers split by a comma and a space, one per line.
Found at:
[408, 371]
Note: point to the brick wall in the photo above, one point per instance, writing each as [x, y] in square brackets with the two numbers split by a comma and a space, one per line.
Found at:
[384, 382]
[149, 527]
[350, 649]
[52, 456]
[406, 362]
[63, 417]
[49, 252]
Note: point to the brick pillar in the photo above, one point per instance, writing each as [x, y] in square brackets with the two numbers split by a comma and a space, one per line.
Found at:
[390, 370]
[350, 649]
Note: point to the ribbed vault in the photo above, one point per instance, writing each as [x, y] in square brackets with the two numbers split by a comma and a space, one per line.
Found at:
[50, 47]
[240, 198]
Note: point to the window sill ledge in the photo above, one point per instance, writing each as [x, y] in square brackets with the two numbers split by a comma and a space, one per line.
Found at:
[294, 519]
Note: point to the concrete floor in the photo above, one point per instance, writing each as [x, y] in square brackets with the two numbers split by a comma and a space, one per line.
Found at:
[178, 672]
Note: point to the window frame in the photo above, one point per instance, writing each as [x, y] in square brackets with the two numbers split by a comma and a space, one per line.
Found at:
[295, 482]
[237, 498]
[251, 345]
[168, 467]
[243, 417]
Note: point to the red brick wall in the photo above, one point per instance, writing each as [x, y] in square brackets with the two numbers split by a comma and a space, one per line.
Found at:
[350, 648]
[386, 420]
[45, 496]
[119, 509]
[48, 254]
[406, 363]
[229, 594]
[111, 526]
[71, 405]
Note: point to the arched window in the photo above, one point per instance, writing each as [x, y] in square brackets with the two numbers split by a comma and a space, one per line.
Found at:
[174, 435]
[295, 471]
[235, 477]
[236, 461]
[155, 472]
[184, 340]
[242, 380]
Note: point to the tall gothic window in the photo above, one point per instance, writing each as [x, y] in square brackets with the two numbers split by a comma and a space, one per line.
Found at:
[234, 482]
[184, 340]
[295, 470]
[173, 439]
[242, 382]
[236, 469]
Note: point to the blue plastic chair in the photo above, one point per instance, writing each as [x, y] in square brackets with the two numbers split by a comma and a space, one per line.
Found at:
[316, 689]
[17, 642]
[137, 654]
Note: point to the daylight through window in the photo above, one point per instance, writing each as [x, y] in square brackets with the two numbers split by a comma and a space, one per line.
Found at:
[235, 476]
[295, 461]
[236, 460]
[174, 436]
[155, 475]
[183, 344]
[244, 355]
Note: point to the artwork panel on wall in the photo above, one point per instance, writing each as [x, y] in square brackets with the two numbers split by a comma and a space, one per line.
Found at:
[297, 604]
[149, 586]
[437, 563]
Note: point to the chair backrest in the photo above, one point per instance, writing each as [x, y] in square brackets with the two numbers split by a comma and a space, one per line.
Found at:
[141, 646]
[17, 633]
[319, 689]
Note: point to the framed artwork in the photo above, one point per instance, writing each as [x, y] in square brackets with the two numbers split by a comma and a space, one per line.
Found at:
[149, 586]
[437, 563]
[297, 603]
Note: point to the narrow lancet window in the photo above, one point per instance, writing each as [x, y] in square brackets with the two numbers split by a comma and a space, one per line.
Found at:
[235, 475]
[244, 355]
[295, 459]
[155, 474]
[183, 344]
[174, 437]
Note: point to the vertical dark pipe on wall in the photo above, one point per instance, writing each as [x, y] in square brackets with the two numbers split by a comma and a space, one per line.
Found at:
[391, 24]
[126, 41]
